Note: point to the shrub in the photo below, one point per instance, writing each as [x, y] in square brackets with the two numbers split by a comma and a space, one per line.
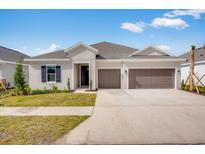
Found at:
[68, 84]
[19, 80]
[27, 90]
[201, 88]
[54, 89]
[90, 84]
[38, 91]
[182, 85]
[48, 91]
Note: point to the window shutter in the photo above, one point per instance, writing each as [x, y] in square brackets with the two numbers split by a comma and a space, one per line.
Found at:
[43, 73]
[58, 73]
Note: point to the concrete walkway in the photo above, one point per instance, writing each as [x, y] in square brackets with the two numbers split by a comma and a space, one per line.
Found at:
[44, 111]
[157, 116]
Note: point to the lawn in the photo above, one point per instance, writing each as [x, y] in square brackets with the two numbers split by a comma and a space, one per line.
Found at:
[36, 129]
[54, 99]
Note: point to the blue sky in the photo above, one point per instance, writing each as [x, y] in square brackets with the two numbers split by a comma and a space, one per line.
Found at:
[38, 31]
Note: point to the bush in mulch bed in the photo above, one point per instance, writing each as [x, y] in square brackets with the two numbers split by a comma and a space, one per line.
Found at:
[201, 89]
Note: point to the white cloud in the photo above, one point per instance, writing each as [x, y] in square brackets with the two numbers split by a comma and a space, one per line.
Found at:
[164, 47]
[171, 23]
[133, 27]
[24, 48]
[52, 47]
[194, 13]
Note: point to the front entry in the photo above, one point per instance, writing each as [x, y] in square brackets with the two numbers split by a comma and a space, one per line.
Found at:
[84, 76]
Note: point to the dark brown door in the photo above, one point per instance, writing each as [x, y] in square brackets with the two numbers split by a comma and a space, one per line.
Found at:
[151, 78]
[109, 78]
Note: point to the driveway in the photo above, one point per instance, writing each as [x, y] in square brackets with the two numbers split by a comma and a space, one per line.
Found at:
[155, 116]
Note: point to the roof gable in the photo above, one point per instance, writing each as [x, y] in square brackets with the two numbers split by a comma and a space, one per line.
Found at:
[81, 44]
[151, 50]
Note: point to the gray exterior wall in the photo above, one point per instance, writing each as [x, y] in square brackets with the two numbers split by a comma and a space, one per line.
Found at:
[7, 72]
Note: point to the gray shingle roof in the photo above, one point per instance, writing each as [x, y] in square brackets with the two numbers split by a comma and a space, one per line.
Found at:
[60, 54]
[153, 57]
[106, 50]
[7, 54]
[109, 50]
[150, 50]
[199, 55]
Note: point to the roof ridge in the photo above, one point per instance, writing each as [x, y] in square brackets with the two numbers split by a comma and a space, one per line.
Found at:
[12, 50]
[114, 44]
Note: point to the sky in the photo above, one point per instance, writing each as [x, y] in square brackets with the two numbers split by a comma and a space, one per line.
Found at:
[35, 32]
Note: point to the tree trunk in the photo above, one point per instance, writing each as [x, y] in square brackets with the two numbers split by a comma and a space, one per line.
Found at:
[191, 77]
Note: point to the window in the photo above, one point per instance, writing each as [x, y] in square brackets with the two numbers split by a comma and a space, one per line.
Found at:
[51, 73]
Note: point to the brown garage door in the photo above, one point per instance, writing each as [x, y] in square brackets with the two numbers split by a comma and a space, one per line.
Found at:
[151, 78]
[109, 78]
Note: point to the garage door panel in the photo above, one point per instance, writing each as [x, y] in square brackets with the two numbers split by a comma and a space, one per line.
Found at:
[109, 78]
[151, 78]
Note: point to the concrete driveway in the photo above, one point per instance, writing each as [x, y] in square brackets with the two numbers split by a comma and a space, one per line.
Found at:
[155, 116]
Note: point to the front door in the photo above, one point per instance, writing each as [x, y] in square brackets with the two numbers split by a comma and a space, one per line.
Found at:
[84, 75]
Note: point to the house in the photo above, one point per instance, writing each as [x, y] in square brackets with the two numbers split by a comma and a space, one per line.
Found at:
[106, 65]
[199, 65]
[8, 60]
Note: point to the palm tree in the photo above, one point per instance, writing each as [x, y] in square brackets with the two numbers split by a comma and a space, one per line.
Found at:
[191, 76]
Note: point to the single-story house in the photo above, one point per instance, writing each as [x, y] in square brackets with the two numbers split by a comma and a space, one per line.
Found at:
[105, 65]
[199, 65]
[8, 60]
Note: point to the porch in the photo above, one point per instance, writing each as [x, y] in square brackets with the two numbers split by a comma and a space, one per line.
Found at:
[81, 75]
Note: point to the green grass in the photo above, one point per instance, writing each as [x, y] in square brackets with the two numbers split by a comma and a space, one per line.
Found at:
[54, 99]
[36, 129]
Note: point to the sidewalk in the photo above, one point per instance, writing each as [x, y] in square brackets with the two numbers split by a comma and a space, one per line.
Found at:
[45, 111]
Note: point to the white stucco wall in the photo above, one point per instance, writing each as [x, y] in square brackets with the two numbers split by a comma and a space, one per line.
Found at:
[83, 55]
[7, 72]
[69, 69]
[35, 75]
[199, 71]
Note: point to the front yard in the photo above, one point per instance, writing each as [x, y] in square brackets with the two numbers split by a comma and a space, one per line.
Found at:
[36, 129]
[53, 99]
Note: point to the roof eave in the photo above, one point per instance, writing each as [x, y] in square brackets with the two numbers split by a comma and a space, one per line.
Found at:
[141, 60]
[32, 60]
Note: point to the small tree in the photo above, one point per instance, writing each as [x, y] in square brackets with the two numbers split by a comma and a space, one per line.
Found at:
[90, 85]
[68, 84]
[182, 85]
[19, 78]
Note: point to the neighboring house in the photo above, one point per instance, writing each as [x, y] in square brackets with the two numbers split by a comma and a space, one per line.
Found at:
[8, 60]
[199, 65]
[107, 65]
